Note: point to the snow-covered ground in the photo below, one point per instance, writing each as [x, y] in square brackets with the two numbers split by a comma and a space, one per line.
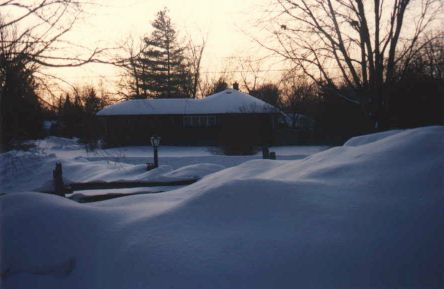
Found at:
[369, 214]
[32, 170]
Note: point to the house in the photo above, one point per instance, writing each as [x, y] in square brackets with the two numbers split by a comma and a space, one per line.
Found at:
[229, 117]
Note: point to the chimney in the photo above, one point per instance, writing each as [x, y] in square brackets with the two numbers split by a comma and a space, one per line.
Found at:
[236, 85]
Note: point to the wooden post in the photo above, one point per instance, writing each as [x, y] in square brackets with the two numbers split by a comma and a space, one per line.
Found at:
[57, 175]
[272, 155]
[265, 153]
[156, 157]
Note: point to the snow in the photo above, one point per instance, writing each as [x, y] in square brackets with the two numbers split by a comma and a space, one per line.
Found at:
[35, 172]
[365, 215]
[32, 170]
[227, 101]
[195, 171]
[362, 140]
[137, 190]
[230, 101]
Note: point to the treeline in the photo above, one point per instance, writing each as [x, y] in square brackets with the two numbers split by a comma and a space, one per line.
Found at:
[400, 89]
[33, 41]
[329, 111]
[379, 63]
[324, 114]
[75, 115]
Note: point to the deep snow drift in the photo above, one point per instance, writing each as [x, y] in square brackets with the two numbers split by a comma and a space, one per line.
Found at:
[32, 170]
[369, 214]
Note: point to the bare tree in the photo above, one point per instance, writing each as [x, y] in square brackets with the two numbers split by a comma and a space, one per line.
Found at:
[352, 42]
[428, 59]
[39, 27]
[131, 84]
[249, 72]
[300, 97]
[195, 58]
[31, 39]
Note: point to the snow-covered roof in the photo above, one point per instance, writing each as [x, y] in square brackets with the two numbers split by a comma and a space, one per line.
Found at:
[227, 101]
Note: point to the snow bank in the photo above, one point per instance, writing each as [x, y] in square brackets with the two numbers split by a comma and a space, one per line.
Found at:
[366, 139]
[27, 171]
[30, 171]
[58, 143]
[21, 171]
[370, 215]
[196, 171]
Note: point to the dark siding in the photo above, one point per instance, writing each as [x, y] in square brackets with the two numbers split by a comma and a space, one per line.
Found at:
[256, 129]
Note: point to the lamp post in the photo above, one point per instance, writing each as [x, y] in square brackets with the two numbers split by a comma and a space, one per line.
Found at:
[155, 141]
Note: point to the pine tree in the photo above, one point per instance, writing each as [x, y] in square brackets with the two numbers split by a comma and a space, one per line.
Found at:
[21, 113]
[163, 68]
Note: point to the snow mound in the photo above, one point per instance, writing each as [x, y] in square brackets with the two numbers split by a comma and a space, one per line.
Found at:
[195, 171]
[366, 139]
[32, 171]
[24, 170]
[59, 143]
[364, 216]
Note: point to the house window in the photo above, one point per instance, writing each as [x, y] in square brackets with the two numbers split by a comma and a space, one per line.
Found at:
[203, 121]
[211, 121]
[194, 121]
[199, 121]
[187, 121]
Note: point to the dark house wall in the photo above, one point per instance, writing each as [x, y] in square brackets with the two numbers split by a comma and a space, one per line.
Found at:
[224, 129]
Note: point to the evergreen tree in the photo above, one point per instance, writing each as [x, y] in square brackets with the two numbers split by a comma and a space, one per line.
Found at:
[267, 92]
[77, 114]
[163, 68]
[218, 86]
[20, 110]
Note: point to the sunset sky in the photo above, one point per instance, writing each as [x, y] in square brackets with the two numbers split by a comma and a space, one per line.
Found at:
[228, 26]
[222, 23]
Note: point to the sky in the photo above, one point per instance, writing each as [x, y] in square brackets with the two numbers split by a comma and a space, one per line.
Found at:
[221, 23]
[227, 26]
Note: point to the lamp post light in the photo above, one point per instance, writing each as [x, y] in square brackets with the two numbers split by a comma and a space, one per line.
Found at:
[155, 141]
